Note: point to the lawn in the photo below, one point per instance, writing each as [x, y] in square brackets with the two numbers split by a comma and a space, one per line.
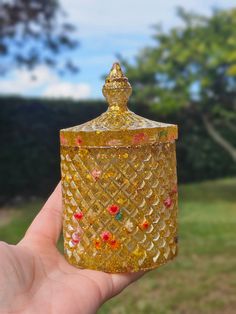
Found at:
[203, 277]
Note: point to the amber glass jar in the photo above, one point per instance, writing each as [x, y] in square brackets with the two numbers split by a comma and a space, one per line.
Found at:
[119, 187]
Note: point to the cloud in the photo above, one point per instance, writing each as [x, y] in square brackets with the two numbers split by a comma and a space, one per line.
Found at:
[67, 90]
[42, 82]
[132, 16]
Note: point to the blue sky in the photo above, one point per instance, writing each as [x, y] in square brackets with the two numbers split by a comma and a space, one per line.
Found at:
[105, 28]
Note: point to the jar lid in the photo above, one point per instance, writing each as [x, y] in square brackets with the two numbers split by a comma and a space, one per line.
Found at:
[118, 126]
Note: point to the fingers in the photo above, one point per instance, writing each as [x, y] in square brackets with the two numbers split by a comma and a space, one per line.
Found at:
[121, 281]
[108, 284]
[47, 224]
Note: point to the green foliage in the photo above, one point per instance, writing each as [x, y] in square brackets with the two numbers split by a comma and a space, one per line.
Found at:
[192, 67]
[29, 130]
[34, 32]
[194, 64]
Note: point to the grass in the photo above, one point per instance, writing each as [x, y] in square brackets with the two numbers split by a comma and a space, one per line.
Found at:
[203, 277]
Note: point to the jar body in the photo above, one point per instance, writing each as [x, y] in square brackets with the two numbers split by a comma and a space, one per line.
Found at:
[120, 206]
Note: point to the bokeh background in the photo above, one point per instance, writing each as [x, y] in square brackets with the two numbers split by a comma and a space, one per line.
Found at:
[180, 57]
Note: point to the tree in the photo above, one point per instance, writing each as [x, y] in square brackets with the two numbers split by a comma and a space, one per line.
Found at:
[34, 32]
[193, 67]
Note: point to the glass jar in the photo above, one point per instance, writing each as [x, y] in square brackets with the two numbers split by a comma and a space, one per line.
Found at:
[119, 187]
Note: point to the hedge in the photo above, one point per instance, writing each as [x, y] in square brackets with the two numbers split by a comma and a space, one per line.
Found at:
[29, 134]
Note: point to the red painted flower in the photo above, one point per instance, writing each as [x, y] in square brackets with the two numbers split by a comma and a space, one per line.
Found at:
[79, 140]
[168, 202]
[172, 137]
[96, 174]
[174, 190]
[113, 209]
[78, 215]
[97, 243]
[114, 244]
[139, 138]
[63, 140]
[75, 238]
[144, 225]
[106, 236]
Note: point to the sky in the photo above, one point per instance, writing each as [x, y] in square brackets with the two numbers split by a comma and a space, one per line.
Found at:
[105, 28]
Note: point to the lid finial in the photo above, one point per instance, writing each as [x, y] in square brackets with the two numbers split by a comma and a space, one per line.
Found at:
[117, 89]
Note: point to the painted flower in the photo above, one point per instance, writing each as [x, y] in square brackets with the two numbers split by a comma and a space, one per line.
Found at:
[144, 225]
[75, 238]
[172, 137]
[72, 244]
[129, 226]
[63, 140]
[79, 140]
[113, 209]
[96, 174]
[139, 138]
[114, 244]
[174, 190]
[114, 142]
[168, 202]
[119, 216]
[106, 236]
[97, 243]
[163, 133]
[78, 215]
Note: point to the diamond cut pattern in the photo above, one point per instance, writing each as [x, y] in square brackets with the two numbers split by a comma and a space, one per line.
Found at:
[139, 184]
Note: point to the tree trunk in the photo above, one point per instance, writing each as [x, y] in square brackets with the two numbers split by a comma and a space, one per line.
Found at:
[219, 139]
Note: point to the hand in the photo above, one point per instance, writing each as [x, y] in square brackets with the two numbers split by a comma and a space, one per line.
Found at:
[35, 277]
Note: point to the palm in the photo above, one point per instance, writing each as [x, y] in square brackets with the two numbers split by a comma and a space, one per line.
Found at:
[38, 279]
